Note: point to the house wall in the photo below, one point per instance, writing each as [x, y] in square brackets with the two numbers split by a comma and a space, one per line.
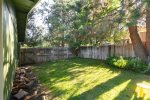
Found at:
[9, 48]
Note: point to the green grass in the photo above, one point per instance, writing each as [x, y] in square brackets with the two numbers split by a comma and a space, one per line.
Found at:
[87, 79]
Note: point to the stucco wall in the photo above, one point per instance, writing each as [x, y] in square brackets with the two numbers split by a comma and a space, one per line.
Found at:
[9, 47]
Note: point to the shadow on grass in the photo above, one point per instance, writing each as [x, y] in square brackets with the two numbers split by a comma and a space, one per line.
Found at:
[60, 71]
[100, 89]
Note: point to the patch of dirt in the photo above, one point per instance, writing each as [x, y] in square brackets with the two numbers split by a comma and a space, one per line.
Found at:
[27, 87]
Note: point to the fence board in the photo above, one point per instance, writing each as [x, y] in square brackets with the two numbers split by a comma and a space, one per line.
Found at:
[103, 52]
[38, 55]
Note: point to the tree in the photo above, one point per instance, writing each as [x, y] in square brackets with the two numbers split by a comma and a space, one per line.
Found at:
[36, 33]
[35, 39]
[133, 13]
[148, 27]
[92, 22]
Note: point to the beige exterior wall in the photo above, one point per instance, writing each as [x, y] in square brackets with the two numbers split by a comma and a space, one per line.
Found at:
[8, 48]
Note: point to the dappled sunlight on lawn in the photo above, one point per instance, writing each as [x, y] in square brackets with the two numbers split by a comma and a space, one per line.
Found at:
[87, 79]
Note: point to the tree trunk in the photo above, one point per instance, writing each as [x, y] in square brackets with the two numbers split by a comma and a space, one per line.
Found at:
[139, 49]
[148, 30]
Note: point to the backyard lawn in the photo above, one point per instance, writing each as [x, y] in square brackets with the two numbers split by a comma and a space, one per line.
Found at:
[87, 79]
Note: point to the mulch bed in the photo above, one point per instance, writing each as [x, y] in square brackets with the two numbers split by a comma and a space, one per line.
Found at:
[27, 87]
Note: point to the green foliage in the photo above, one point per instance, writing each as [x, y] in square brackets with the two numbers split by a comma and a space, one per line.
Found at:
[91, 22]
[118, 36]
[36, 38]
[147, 2]
[86, 21]
[134, 64]
[137, 64]
[111, 60]
[74, 46]
[121, 63]
[117, 61]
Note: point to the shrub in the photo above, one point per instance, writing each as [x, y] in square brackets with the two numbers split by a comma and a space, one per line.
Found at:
[111, 60]
[117, 62]
[134, 64]
[137, 64]
[147, 71]
[121, 62]
[74, 46]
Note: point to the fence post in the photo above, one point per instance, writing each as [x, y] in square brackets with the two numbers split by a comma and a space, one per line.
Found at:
[109, 51]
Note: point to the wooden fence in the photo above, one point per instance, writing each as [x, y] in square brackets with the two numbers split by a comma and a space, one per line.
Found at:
[38, 55]
[103, 52]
